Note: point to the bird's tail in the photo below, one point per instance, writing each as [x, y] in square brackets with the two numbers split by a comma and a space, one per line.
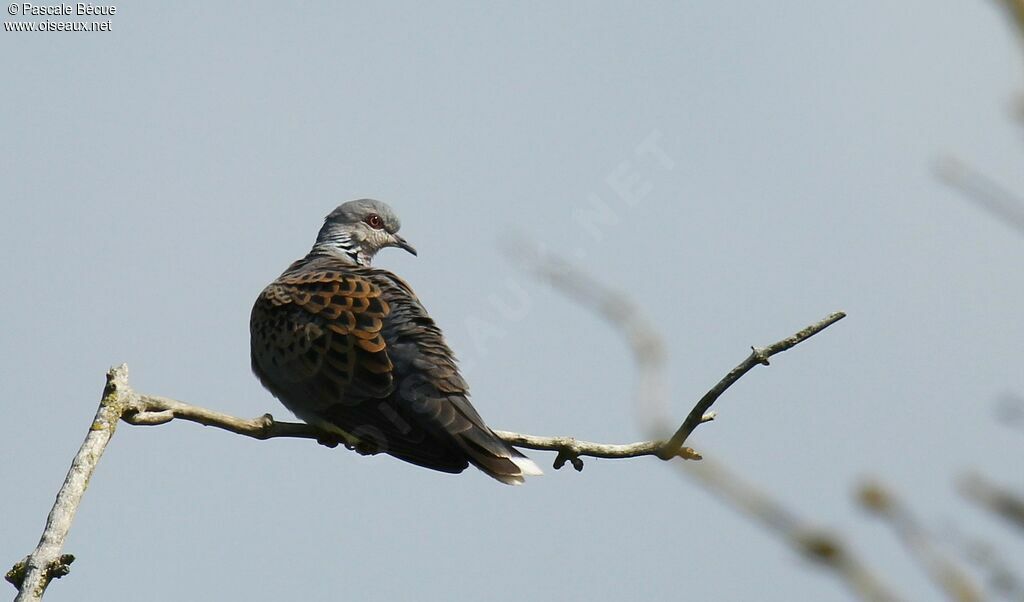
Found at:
[499, 460]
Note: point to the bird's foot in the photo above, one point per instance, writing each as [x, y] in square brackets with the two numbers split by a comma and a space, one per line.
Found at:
[330, 440]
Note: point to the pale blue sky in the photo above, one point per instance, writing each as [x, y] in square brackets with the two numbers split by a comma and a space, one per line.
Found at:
[158, 176]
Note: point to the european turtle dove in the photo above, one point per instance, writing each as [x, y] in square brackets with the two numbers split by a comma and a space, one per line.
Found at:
[349, 348]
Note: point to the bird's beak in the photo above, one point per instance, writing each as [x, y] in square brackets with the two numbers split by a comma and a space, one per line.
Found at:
[402, 244]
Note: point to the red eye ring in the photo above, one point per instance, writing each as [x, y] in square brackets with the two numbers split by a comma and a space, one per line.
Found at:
[374, 221]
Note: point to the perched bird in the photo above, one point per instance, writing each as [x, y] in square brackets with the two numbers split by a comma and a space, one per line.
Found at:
[349, 348]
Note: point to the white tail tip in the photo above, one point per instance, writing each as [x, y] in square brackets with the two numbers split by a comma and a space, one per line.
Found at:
[529, 468]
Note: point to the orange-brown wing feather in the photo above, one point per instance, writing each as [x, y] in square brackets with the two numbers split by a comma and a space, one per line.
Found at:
[318, 335]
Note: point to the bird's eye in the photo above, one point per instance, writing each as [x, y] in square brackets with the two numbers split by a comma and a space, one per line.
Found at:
[374, 221]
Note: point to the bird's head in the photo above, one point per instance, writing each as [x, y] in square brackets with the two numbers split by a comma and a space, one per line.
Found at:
[358, 229]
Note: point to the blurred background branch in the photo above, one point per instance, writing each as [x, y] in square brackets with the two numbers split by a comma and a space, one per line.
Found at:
[826, 549]
[992, 564]
[998, 500]
[984, 192]
[1015, 10]
[954, 581]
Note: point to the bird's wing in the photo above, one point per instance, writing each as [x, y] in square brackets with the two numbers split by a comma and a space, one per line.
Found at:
[317, 344]
[433, 394]
[322, 330]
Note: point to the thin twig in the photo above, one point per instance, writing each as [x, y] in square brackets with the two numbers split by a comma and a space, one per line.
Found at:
[152, 410]
[646, 344]
[757, 356]
[953, 580]
[570, 449]
[33, 574]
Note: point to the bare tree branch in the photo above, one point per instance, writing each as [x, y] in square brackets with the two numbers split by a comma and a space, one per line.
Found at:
[951, 578]
[33, 574]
